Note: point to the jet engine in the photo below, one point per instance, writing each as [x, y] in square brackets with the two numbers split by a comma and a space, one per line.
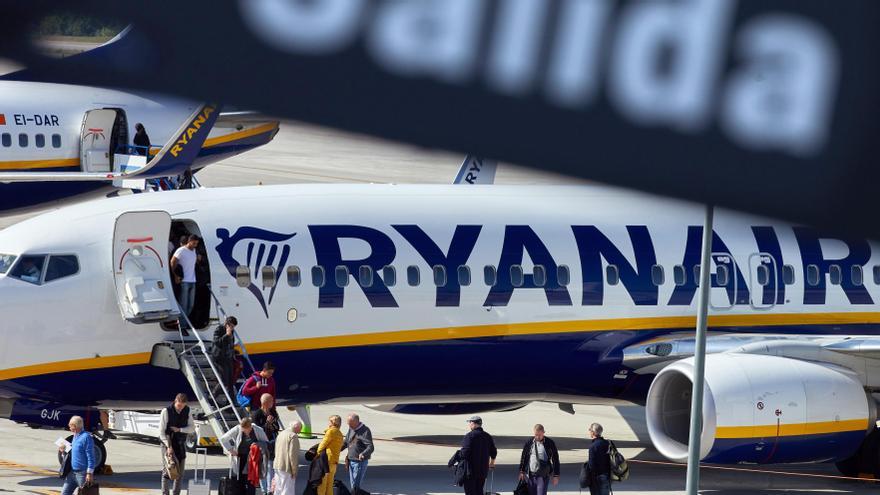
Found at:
[761, 409]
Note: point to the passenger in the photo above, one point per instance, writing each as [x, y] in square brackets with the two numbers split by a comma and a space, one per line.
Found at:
[478, 449]
[261, 382]
[237, 442]
[286, 460]
[332, 444]
[539, 460]
[599, 462]
[359, 442]
[185, 256]
[266, 418]
[223, 355]
[141, 140]
[82, 458]
[176, 422]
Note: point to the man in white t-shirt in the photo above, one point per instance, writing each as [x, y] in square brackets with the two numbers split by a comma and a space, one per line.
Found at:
[185, 256]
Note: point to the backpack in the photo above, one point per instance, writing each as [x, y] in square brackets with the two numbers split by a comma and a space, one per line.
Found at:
[619, 466]
[241, 399]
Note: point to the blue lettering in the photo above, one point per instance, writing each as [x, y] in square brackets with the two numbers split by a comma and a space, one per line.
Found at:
[329, 255]
[520, 239]
[460, 248]
[683, 295]
[593, 246]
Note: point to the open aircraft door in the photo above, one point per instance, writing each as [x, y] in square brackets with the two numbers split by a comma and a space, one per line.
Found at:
[95, 140]
[140, 267]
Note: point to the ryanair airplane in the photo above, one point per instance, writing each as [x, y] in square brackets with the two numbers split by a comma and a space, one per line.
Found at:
[431, 295]
[49, 129]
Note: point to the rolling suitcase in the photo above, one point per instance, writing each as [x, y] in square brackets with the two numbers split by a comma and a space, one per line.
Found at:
[230, 485]
[201, 486]
[492, 486]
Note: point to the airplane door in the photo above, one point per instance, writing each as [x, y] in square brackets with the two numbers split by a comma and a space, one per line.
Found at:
[762, 280]
[723, 292]
[140, 267]
[96, 137]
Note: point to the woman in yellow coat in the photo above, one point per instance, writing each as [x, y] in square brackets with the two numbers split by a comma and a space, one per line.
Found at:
[332, 444]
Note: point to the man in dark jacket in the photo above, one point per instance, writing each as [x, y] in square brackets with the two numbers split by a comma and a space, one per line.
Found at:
[359, 442]
[538, 462]
[599, 462]
[223, 354]
[141, 140]
[478, 450]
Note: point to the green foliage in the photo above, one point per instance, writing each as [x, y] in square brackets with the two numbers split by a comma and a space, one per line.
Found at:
[64, 24]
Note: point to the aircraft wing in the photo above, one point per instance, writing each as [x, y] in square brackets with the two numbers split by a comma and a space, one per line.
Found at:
[173, 159]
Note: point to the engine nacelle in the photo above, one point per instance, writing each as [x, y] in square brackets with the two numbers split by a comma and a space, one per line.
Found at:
[761, 409]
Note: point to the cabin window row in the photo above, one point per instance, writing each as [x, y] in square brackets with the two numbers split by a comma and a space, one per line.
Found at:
[438, 276]
[24, 140]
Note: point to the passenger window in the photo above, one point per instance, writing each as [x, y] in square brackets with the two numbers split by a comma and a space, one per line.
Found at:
[341, 276]
[857, 275]
[61, 266]
[29, 269]
[812, 275]
[267, 273]
[7, 139]
[56, 140]
[40, 141]
[242, 276]
[612, 275]
[294, 278]
[412, 275]
[6, 261]
[490, 275]
[658, 276]
[877, 274]
[23, 140]
[366, 276]
[539, 275]
[318, 277]
[835, 274]
[389, 276]
[516, 276]
[697, 275]
[464, 275]
[788, 274]
[439, 275]
[763, 275]
[563, 275]
[722, 275]
[678, 275]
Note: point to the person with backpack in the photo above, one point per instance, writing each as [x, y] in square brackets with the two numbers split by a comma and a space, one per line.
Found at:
[261, 382]
[538, 462]
[599, 462]
[223, 355]
[479, 452]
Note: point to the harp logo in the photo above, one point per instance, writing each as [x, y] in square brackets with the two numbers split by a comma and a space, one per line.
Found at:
[254, 249]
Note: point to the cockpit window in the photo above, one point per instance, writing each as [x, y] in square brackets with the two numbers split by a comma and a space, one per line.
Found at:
[6, 261]
[61, 266]
[29, 268]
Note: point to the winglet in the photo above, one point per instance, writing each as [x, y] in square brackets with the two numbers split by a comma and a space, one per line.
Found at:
[476, 170]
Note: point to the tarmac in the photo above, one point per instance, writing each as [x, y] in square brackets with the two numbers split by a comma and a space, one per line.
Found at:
[411, 451]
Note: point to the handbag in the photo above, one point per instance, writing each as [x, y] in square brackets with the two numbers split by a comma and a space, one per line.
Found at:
[584, 478]
[172, 467]
[65, 468]
[545, 468]
[522, 488]
[89, 489]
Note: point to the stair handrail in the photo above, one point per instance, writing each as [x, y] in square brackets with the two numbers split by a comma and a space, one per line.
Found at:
[221, 315]
[204, 349]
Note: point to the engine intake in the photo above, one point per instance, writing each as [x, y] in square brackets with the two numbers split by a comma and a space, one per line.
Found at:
[761, 409]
